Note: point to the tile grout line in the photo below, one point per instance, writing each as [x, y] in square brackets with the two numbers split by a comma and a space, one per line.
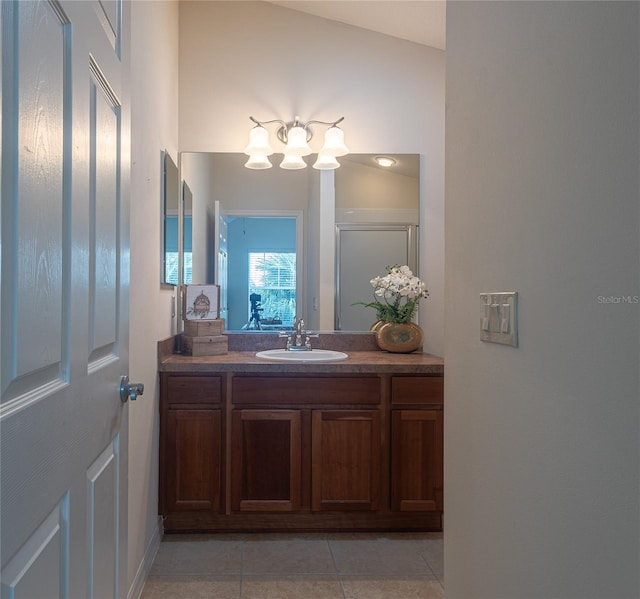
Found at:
[433, 572]
[335, 566]
[242, 546]
[435, 576]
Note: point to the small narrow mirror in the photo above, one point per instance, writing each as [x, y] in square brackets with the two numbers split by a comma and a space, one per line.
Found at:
[187, 233]
[169, 228]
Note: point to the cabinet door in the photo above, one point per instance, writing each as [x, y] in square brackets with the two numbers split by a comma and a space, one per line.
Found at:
[266, 457]
[193, 459]
[345, 460]
[416, 460]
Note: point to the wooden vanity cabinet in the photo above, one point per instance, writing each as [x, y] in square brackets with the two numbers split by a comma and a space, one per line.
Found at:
[417, 430]
[265, 451]
[191, 462]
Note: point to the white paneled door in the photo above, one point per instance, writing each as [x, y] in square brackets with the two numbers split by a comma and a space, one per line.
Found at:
[64, 311]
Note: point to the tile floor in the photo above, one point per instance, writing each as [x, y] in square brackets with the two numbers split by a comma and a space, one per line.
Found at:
[298, 566]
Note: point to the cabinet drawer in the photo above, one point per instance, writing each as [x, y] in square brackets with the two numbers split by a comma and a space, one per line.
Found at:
[417, 390]
[288, 390]
[194, 389]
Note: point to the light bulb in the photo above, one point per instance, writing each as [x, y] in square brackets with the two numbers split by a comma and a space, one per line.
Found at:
[326, 162]
[334, 142]
[297, 142]
[293, 163]
[258, 162]
[258, 142]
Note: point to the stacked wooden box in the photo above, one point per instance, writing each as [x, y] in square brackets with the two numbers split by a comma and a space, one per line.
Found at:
[203, 326]
[204, 338]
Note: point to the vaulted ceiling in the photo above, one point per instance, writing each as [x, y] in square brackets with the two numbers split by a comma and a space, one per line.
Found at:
[419, 21]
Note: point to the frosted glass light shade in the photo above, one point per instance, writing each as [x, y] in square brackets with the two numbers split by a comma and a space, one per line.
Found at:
[297, 142]
[334, 142]
[326, 162]
[258, 142]
[293, 163]
[258, 162]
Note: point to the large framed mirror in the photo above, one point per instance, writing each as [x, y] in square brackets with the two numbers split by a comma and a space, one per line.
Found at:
[282, 217]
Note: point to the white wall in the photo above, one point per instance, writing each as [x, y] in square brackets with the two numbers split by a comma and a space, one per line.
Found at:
[154, 94]
[252, 58]
[542, 441]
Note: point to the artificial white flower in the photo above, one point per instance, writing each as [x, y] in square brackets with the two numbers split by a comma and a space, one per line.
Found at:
[401, 291]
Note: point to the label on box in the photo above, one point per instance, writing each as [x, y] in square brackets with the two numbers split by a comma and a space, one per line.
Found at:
[201, 302]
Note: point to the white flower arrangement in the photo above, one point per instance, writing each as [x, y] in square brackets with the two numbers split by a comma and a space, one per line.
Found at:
[397, 294]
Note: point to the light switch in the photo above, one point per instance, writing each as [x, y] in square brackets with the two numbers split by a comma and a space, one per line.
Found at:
[499, 317]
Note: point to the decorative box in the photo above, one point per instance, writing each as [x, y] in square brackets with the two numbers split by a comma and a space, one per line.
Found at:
[199, 328]
[206, 345]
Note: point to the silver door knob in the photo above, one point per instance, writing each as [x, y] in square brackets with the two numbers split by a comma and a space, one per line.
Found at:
[130, 390]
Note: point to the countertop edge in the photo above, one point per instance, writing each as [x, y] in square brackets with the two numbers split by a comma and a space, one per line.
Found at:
[357, 362]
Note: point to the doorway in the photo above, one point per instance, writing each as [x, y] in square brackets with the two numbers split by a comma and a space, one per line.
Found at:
[264, 271]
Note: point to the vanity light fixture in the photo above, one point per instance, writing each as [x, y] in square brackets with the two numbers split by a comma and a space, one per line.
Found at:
[385, 161]
[296, 137]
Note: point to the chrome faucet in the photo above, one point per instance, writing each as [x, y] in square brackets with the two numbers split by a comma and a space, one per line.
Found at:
[300, 339]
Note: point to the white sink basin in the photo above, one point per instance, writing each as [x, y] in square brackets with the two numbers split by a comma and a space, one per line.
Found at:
[314, 355]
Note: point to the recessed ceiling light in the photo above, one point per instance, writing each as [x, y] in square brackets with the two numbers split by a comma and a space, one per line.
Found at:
[385, 161]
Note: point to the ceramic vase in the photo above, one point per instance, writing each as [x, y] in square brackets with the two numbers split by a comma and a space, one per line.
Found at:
[399, 338]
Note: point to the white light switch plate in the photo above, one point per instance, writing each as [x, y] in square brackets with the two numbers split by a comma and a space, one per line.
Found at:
[499, 317]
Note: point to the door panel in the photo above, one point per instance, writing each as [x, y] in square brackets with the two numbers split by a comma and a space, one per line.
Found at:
[345, 460]
[104, 121]
[102, 491]
[416, 460]
[35, 152]
[193, 455]
[38, 569]
[266, 460]
[64, 311]
[109, 15]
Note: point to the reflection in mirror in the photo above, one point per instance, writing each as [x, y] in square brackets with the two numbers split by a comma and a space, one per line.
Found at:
[238, 215]
[187, 241]
[261, 295]
[367, 249]
[377, 215]
[364, 193]
[169, 229]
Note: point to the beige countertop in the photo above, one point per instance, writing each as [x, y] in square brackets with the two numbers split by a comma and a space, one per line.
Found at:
[360, 360]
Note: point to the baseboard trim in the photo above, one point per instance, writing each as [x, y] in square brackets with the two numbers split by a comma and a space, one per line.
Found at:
[147, 561]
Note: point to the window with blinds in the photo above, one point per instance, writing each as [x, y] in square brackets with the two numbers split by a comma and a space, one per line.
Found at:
[272, 275]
